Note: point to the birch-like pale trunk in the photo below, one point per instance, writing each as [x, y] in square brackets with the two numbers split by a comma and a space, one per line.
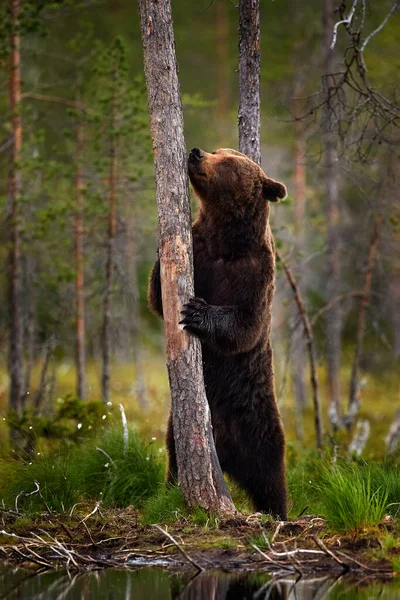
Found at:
[199, 472]
[330, 162]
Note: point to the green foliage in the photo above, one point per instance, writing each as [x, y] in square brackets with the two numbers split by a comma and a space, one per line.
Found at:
[166, 506]
[107, 472]
[351, 497]
[135, 473]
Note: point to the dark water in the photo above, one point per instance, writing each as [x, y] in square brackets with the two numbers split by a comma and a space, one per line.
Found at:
[152, 583]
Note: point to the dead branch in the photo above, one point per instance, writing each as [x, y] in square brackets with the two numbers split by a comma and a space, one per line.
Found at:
[25, 495]
[185, 554]
[310, 346]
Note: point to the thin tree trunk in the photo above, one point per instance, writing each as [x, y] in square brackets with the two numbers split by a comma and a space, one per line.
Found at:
[40, 396]
[222, 66]
[79, 279]
[199, 472]
[298, 357]
[334, 317]
[354, 397]
[249, 116]
[30, 326]
[15, 361]
[393, 437]
[250, 144]
[134, 306]
[311, 350]
[112, 227]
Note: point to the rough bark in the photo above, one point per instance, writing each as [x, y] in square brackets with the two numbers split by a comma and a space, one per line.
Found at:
[249, 79]
[199, 473]
[334, 316]
[79, 265]
[112, 228]
[311, 350]
[15, 358]
[354, 397]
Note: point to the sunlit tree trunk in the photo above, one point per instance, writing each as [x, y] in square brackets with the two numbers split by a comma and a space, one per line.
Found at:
[330, 173]
[79, 265]
[15, 359]
[112, 228]
[199, 472]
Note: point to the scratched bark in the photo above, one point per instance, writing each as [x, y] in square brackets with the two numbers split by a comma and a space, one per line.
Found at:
[199, 473]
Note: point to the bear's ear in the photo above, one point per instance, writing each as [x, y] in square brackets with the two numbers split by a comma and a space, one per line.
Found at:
[273, 190]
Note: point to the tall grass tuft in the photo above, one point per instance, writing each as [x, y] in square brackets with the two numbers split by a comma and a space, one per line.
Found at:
[116, 475]
[350, 496]
[135, 473]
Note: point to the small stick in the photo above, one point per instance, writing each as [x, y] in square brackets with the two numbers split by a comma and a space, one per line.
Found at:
[124, 427]
[185, 554]
[107, 456]
[269, 559]
[25, 494]
[278, 527]
[362, 565]
[96, 508]
[328, 552]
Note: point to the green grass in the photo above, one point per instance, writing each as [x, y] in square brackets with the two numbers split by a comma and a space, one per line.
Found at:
[352, 497]
[122, 478]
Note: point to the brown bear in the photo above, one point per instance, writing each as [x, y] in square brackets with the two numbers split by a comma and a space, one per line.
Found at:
[234, 264]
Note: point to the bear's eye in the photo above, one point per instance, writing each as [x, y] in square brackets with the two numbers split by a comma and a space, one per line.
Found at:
[226, 163]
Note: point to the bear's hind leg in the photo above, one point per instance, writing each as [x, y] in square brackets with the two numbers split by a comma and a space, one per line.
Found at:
[172, 474]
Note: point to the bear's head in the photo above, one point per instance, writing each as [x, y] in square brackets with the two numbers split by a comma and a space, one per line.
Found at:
[229, 178]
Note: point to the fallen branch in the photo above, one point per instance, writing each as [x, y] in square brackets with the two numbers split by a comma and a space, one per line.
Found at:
[185, 554]
[26, 494]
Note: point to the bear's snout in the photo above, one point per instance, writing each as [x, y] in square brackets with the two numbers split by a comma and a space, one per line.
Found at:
[196, 154]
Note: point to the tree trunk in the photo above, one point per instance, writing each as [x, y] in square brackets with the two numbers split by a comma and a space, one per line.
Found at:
[298, 354]
[334, 316]
[250, 143]
[354, 399]
[134, 309]
[199, 472]
[222, 67]
[29, 335]
[112, 227]
[249, 79]
[15, 360]
[79, 279]
[393, 437]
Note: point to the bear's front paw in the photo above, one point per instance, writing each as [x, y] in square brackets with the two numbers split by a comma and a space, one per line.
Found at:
[195, 316]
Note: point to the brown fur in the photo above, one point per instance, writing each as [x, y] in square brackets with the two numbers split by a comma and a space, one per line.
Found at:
[234, 269]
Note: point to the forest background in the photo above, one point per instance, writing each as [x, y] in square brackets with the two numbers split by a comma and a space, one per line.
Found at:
[87, 220]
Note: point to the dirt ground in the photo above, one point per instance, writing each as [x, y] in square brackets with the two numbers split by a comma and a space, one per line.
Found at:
[90, 538]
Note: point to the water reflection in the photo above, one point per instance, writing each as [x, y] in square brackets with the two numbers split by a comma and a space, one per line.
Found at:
[152, 583]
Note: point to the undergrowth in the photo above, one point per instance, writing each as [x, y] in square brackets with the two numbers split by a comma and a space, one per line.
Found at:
[350, 495]
[109, 472]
